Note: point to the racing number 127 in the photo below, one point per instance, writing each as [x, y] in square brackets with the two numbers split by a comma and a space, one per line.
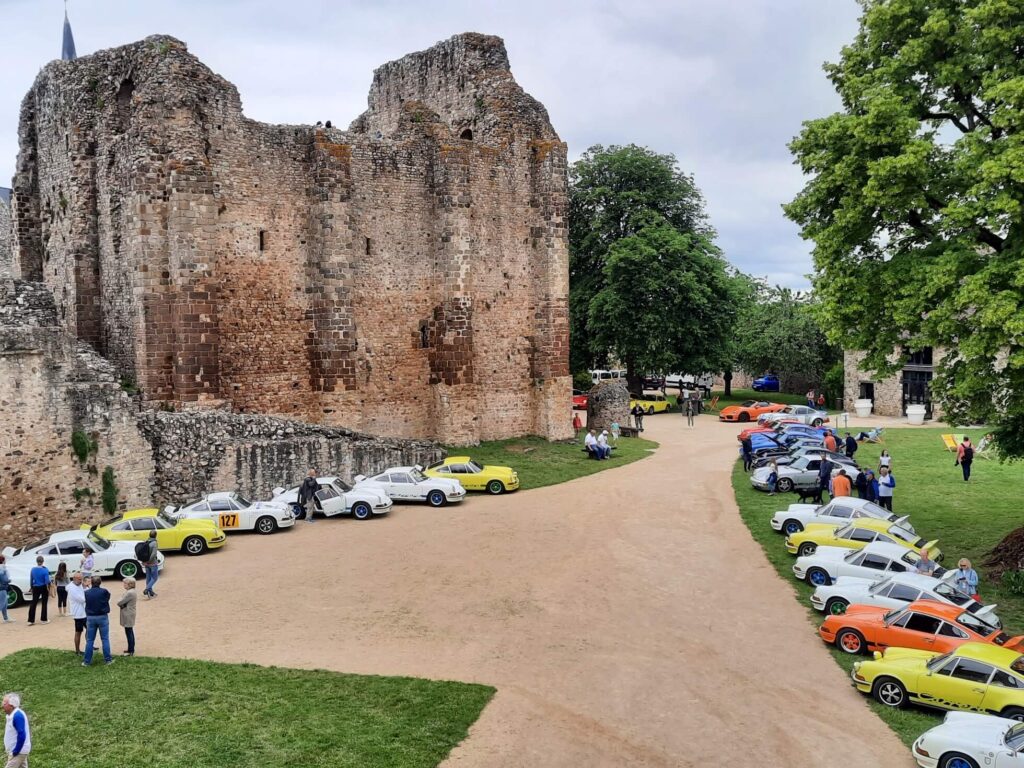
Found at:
[228, 521]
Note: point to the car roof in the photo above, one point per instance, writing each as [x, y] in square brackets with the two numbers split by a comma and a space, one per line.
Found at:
[220, 495]
[946, 611]
[457, 460]
[68, 535]
[990, 653]
[874, 523]
[133, 513]
[918, 580]
[886, 548]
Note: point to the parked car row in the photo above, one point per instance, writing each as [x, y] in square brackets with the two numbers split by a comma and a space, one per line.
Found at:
[925, 642]
[202, 525]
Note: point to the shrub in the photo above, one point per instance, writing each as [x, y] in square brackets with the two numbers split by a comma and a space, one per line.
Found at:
[581, 380]
[1014, 581]
[83, 446]
[110, 491]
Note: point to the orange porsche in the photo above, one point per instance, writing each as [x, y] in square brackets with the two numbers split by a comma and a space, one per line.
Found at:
[924, 625]
[748, 410]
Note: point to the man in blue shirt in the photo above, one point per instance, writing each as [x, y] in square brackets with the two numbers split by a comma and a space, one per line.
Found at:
[97, 610]
[39, 578]
[17, 739]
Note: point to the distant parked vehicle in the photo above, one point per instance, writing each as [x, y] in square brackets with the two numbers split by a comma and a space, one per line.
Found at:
[704, 381]
[654, 381]
[579, 400]
[767, 383]
[600, 375]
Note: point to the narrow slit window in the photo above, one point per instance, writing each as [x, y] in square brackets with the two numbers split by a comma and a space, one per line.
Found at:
[263, 240]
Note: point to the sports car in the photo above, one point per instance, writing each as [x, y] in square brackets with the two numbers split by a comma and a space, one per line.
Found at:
[856, 534]
[837, 512]
[769, 443]
[969, 739]
[475, 477]
[801, 413]
[110, 558]
[579, 400]
[798, 449]
[801, 473]
[976, 676]
[20, 585]
[872, 562]
[231, 511]
[410, 484]
[650, 404]
[924, 624]
[336, 497]
[748, 410]
[193, 537]
[897, 591]
[767, 383]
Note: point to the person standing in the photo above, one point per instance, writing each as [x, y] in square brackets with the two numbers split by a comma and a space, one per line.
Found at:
[5, 584]
[616, 432]
[307, 495]
[151, 564]
[87, 564]
[860, 484]
[966, 579]
[773, 477]
[810, 398]
[965, 457]
[821, 401]
[885, 460]
[689, 412]
[61, 579]
[577, 425]
[76, 602]
[97, 619]
[841, 485]
[638, 417]
[851, 446]
[825, 476]
[17, 736]
[886, 483]
[870, 485]
[39, 579]
[747, 447]
[830, 442]
[127, 603]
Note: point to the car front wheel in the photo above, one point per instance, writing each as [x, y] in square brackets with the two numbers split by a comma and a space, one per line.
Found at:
[361, 510]
[436, 499]
[265, 525]
[744, 417]
[957, 760]
[818, 577]
[194, 545]
[889, 692]
[792, 526]
[1013, 713]
[495, 487]
[785, 485]
[817, 423]
[14, 596]
[128, 569]
[807, 548]
[836, 606]
[850, 641]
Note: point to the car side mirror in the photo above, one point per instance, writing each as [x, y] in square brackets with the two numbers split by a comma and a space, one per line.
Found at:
[169, 509]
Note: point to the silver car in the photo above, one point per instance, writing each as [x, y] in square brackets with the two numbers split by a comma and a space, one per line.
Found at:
[801, 413]
[801, 474]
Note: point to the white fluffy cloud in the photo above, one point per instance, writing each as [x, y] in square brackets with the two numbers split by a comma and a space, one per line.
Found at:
[722, 84]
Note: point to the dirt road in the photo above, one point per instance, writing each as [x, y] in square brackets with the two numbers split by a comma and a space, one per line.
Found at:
[627, 619]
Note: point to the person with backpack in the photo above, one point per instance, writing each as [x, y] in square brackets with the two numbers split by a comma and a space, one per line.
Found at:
[5, 583]
[148, 553]
[965, 457]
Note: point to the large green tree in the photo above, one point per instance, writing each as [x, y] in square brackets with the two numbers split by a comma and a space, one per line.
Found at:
[647, 284]
[916, 197]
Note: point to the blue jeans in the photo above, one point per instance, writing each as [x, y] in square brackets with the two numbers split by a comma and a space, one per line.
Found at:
[93, 623]
[152, 574]
[3, 604]
[129, 634]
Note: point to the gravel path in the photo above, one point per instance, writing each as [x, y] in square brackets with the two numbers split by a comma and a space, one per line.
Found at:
[626, 619]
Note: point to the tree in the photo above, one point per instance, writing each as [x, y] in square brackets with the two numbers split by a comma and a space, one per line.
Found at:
[647, 284]
[778, 331]
[916, 200]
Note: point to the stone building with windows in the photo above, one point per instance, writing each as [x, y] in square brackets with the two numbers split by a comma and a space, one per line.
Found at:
[891, 395]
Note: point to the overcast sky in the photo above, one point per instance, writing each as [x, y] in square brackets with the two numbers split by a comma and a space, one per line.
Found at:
[722, 84]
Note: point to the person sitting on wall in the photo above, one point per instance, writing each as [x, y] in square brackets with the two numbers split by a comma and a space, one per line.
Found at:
[590, 443]
[602, 445]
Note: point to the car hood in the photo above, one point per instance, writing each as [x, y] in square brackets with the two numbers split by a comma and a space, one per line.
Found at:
[854, 583]
[908, 658]
[985, 730]
[828, 553]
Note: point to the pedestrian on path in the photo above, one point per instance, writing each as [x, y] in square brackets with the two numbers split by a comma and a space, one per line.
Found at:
[151, 563]
[87, 564]
[17, 735]
[965, 457]
[76, 602]
[307, 495]
[97, 619]
[61, 579]
[966, 579]
[5, 584]
[127, 603]
[39, 580]
[577, 425]
[886, 484]
[689, 412]
[638, 417]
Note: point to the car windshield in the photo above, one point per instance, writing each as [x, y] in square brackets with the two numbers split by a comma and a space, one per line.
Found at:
[1015, 737]
[27, 547]
[840, 532]
[341, 485]
[418, 476]
[788, 409]
[873, 509]
[876, 588]
[165, 518]
[747, 403]
[892, 615]
[980, 626]
[937, 662]
[852, 555]
[241, 501]
[474, 467]
[952, 594]
[99, 542]
[904, 535]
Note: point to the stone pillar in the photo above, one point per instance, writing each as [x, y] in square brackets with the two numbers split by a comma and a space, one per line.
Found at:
[608, 401]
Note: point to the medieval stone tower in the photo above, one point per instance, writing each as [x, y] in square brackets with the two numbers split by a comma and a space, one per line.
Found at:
[405, 277]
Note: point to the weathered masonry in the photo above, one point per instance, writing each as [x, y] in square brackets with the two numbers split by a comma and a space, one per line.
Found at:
[405, 277]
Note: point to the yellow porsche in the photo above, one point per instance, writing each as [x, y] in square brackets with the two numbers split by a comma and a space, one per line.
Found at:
[474, 476]
[193, 537]
[650, 404]
[857, 534]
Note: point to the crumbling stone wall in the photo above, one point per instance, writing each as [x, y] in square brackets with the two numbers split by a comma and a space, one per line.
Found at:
[608, 402]
[6, 237]
[198, 452]
[405, 277]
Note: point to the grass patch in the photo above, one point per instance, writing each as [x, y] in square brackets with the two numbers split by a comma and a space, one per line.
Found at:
[967, 518]
[739, 395]
[172, 713]
[540, 462]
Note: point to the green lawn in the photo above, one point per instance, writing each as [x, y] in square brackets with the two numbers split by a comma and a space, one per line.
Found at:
[739, 395]
[176, 713]
[967, 518]
[541, 463]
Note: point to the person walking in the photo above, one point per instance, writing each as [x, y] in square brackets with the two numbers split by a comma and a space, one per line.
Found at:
[5, 585]
[885, 460]
[638, 417]
[97, 619]
[307, 495]
[965, 457]
[773, 477]
[151, 564]
[76, 602]
[39, 580]
[689, 412]
[886, 484]
[61, 579]
[127, 603]
[841, 485]
[966, 579]
[851, 446]
[616, 432]
[747, 448]
[17, 735]
[87, 564]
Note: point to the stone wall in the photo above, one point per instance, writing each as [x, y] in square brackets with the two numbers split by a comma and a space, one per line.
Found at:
[888, 400]
[608, 401]
[51, 387]
[6, 237]
[198, 452]
[405, 277]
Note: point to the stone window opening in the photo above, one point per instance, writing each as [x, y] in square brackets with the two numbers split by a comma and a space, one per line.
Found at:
[424, 335]
[124, 100]
[368, 246]
[467, 134]
[263, 240]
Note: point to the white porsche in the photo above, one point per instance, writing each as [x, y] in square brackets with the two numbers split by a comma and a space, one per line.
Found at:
[110, 558]
[231, 511]
[800, 413]
[874, 561]
[336, 497]
[970, 740]
[896, 591]
[837, 512]
[410, 484]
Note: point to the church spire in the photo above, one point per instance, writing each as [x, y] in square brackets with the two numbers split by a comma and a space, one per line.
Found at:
[67, 51]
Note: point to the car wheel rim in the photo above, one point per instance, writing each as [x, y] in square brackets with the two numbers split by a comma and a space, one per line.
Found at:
[792, 528]
[266, 526]
[361, 512]
[850, 643]
[12, 598]
[195, 546]
[436, 498]
[958, 762]
[807, 549]
[817, 578]
[128, 570]
[494, 487]
[837, 608]
[891, 695]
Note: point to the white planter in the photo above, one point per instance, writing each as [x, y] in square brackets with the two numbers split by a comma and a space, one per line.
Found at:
[915, 414]
[862, 407]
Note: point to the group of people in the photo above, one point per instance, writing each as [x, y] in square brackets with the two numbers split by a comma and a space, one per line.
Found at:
[597, 445]
[813, 401]
[965, 578]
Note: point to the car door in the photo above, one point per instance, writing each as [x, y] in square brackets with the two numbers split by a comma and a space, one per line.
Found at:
[403, 487]
[71, 553]
[225, 515]
[331, 502]
[470, 480]
[960, 684]
[912, 630]
[50, 555]
[140, 528]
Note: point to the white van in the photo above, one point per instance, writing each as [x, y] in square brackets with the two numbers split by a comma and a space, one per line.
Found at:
[600, 375]
[704, 381]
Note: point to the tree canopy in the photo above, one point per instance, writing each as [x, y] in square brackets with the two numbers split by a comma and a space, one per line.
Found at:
[916, 199]
[647, 284]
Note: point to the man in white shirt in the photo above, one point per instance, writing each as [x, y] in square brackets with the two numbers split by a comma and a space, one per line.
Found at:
[76, 601]
[17, 738]
[590, 443]
[602, 445]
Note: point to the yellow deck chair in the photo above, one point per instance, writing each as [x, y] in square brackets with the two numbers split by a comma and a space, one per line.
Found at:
[949, 441]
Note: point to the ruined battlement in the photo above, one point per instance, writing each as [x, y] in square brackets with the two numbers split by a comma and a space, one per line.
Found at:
[405, 277]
